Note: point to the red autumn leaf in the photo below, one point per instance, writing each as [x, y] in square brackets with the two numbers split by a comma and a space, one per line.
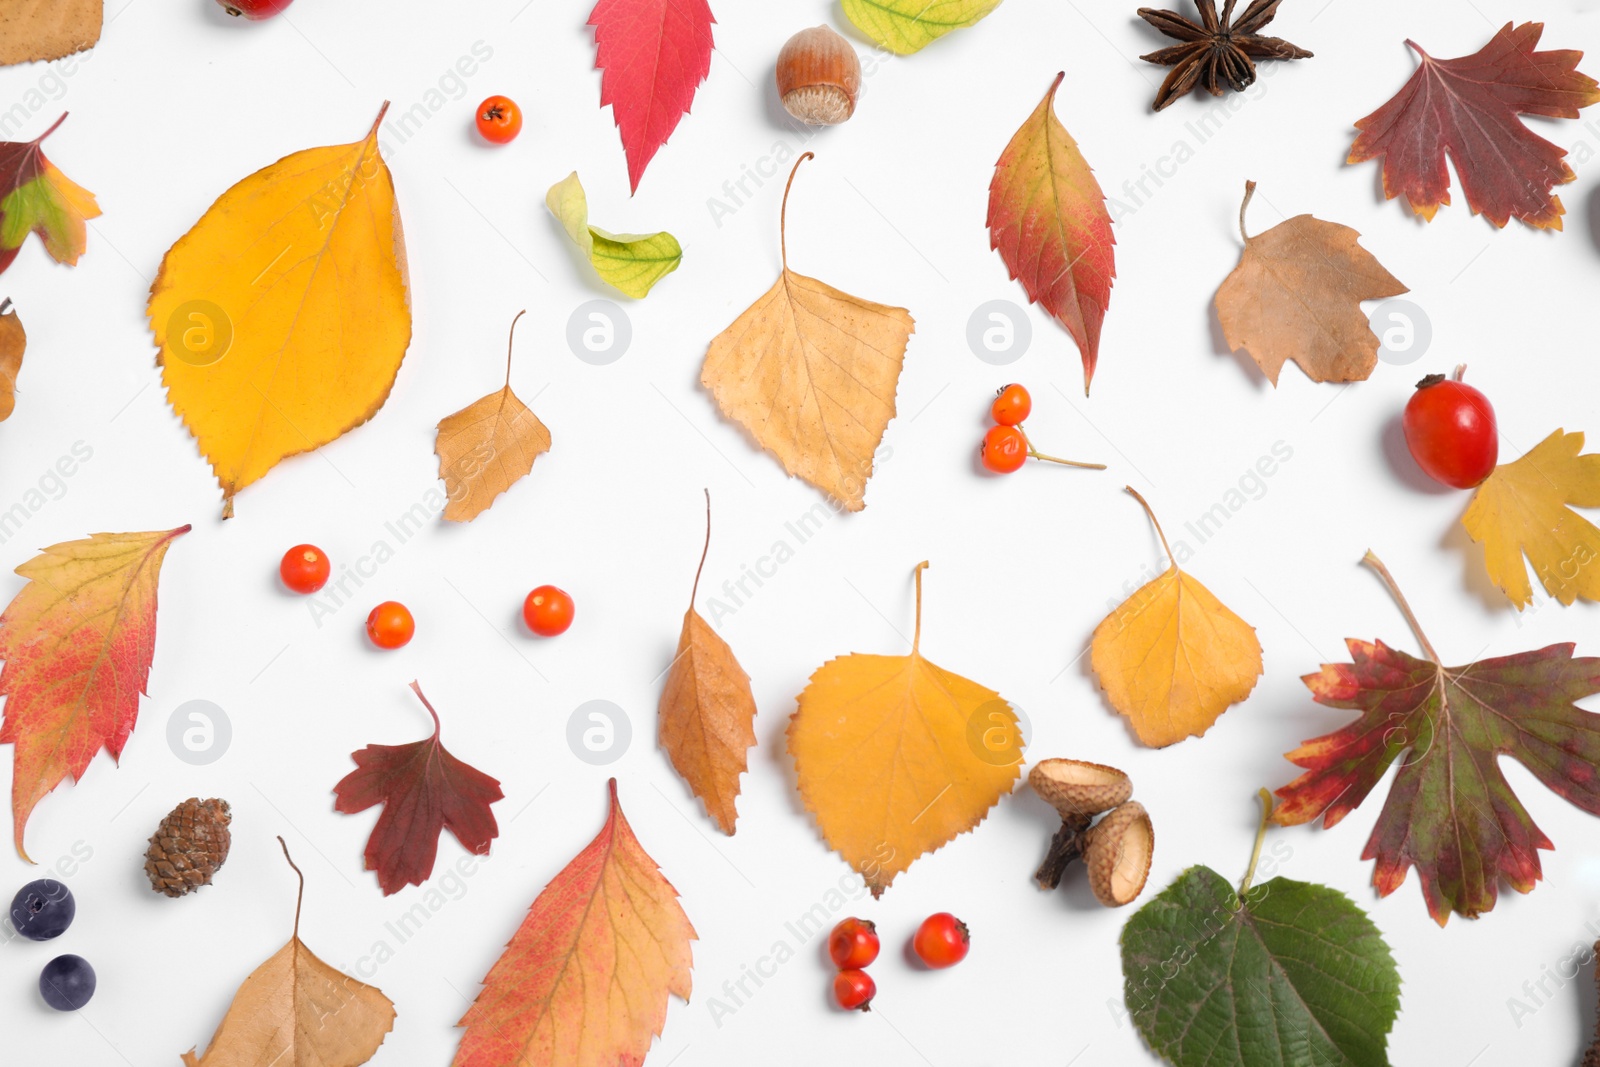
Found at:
[36, 197]
[424, 790]
[653, 55]
[585, 979]
[1048, 220]
[1450, 812]
[1469, 108]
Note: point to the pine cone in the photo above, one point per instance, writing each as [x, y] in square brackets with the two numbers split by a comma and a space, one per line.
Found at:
[189, 846]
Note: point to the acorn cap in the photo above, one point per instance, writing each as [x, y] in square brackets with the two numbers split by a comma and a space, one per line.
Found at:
[819, 77]
[1118, 854]
[1076, 788]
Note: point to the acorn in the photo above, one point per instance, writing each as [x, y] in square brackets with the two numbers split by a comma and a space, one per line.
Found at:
[1079, 791]
[1118, 851]
[819, 77]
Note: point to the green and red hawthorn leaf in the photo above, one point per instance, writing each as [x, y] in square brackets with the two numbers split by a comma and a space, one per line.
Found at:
[1048, 221]
[35, 197]
[77, 643]
[653, 55]
[1468, 108]
[424, 791]
[1450, 812]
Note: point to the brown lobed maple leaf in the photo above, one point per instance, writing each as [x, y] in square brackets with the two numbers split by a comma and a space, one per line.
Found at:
[13, 344]
[585, 979]
[296, 1010]
[707, 711]
[1215, 53]
[1468, 108]
[424, 791]
[1296, 295]
[487, 446]
[1450, 812]
[811, 373]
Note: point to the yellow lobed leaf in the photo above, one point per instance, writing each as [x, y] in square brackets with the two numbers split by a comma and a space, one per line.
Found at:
[296, 1010]
[907, 26]
[896, 756]
[1296, 295]
[1522, 509]
[283, 315]
[1173, 657]
[630, 263]
[486, 447]
[13, 343]
[32, 30]
[811, 373]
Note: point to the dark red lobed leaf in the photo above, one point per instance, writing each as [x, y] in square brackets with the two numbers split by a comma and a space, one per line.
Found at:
[424, 790]
[1469, 108]
[1450, 812]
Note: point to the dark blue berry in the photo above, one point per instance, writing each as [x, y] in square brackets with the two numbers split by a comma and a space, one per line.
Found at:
[43, 909]
[67, 983]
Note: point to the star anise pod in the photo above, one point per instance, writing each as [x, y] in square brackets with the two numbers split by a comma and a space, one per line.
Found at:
[1216, 52]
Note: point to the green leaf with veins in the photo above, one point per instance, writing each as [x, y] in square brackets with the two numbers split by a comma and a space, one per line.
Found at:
[906, 26]
[628, 262]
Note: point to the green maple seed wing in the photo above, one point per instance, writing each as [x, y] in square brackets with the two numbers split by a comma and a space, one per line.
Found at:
[1298, 976]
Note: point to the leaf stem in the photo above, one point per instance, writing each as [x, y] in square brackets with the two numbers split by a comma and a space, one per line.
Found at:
[1036, 454]
[53, 128]
[783, 212]
[5, 305]
[417, 689]
[703, 552]
[1249, 193]
[300, 894]
[1154, 522]
[1261, 836]
[1405, 607]
[511, 337]
[916, 637]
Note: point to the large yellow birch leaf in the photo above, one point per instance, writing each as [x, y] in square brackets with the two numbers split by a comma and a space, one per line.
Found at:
[707, 711]
[811, 373]
[895, 756]
[487, 446]
[283, 315]
[13, 344]
[1173, 658]
[1522, 509]
[296, 1011]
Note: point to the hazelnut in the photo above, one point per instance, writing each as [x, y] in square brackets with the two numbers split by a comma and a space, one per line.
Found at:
[1118, 851]
[819, 77]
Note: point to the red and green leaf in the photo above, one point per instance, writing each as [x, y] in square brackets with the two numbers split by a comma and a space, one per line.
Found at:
[653, 54]
[1450, 812]
[1468, 108]
[36, 197]
[1048, 221]
[424, 791]
[77, 643]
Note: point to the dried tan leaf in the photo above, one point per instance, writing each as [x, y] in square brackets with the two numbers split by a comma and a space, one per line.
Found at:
[486, 447]
[1296, 295]
[13, 343]
[707, 711]
[811, 373]
[33, 30]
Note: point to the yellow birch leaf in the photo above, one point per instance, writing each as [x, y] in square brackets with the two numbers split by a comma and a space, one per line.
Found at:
[631, 263]
[895, 756]
[283, 315]
[486, 447]
[707, 711]
[1522, 509]
[1173, 658]
[296, 1011]
[811, 373]
[907, 26]
[32, 30]
[13, 343]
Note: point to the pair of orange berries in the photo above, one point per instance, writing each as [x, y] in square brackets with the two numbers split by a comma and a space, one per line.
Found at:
[1006, 447]
[941, 941]
[548, 611]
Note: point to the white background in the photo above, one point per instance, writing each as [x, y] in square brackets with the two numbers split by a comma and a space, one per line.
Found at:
[178, 102]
